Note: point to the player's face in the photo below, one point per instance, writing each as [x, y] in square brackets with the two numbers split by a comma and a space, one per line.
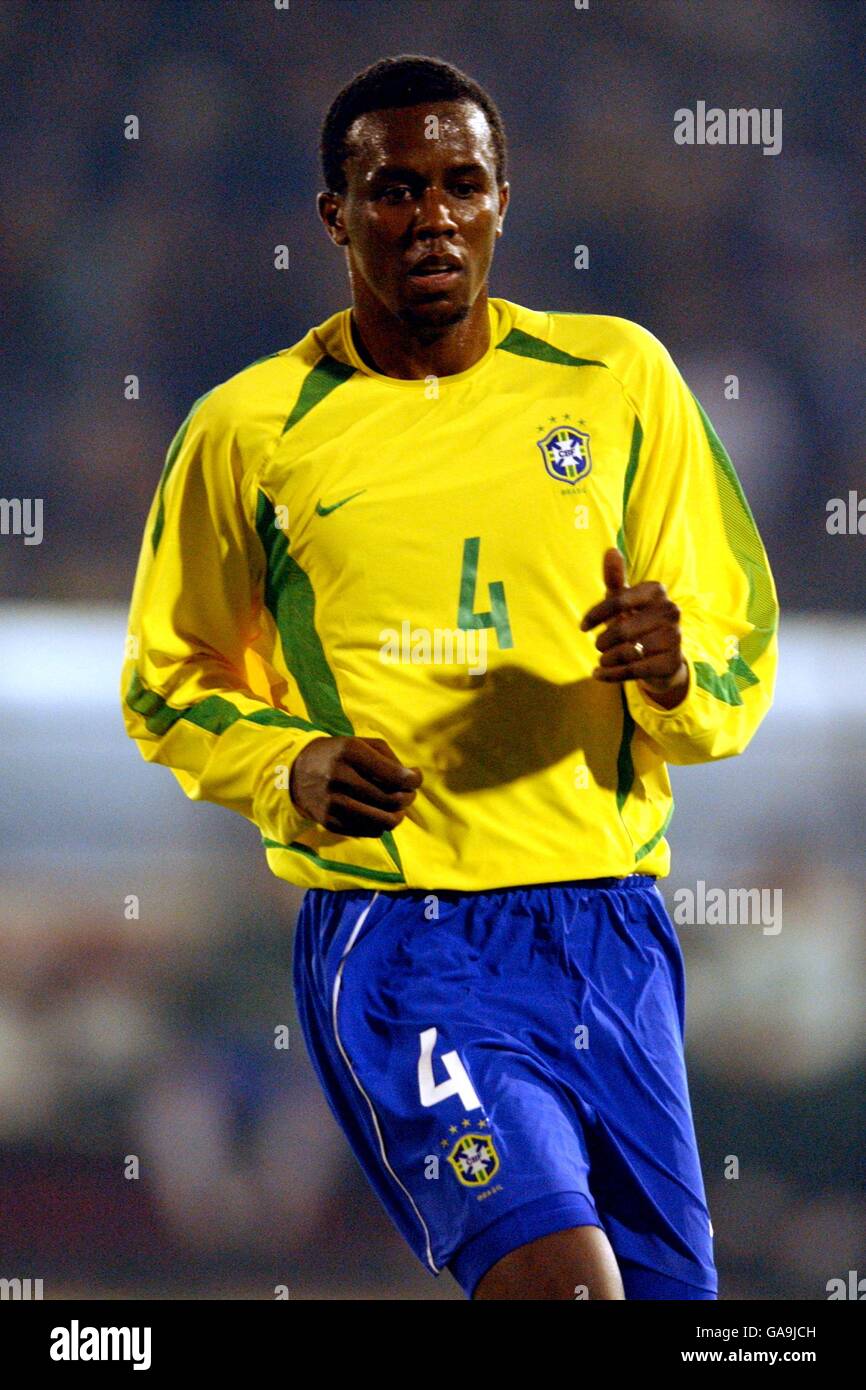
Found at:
[422, 210]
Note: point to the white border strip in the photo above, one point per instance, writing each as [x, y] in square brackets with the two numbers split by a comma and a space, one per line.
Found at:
[337, 982]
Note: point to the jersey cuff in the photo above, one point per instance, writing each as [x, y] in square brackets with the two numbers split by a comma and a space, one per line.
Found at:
[276, 815]
[642, 701]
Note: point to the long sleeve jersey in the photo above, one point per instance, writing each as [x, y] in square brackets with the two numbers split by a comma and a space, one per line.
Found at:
[334, 551]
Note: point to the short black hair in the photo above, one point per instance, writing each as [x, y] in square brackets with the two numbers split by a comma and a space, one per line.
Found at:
[407, 80]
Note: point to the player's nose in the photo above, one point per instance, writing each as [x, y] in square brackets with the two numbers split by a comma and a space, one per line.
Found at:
[434, 213]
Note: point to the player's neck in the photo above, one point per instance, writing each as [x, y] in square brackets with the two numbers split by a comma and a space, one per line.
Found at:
[397, 350]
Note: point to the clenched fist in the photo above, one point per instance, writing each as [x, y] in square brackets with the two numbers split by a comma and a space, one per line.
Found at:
[353, 786]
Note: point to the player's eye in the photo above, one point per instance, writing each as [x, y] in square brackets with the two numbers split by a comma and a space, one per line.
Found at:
[465, 189]
[396, 192]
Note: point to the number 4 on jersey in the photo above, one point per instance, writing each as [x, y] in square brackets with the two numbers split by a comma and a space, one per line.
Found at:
[458, 1083]
[497, 618]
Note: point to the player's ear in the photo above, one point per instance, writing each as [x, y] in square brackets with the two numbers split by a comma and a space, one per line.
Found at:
[504, 194]
[330, 209]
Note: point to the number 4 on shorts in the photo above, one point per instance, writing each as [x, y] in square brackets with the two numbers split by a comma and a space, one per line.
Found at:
[458, 1083]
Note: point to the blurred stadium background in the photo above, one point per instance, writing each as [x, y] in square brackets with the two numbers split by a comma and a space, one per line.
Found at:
[154, 1037]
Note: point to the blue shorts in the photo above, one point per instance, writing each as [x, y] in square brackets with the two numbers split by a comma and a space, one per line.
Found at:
[509, 1063]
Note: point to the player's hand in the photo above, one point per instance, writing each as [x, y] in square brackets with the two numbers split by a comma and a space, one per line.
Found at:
[352, 786]
[642, 639]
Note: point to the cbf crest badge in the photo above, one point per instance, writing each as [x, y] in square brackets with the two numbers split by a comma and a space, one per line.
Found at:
[566, 453]
[474, 1159]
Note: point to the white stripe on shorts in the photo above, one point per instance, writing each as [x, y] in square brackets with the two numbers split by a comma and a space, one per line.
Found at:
[337, 983]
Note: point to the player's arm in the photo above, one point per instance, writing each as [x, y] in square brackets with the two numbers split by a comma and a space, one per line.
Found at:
[700, 598]
[187, 699]
[185, 692]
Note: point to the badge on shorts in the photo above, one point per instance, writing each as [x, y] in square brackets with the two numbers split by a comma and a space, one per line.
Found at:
[474, 1159]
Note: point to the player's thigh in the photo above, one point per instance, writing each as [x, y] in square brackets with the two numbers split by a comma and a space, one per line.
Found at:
[473, 1132]
[578, 1263]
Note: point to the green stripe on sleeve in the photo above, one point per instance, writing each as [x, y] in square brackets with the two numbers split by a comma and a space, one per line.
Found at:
[216, 714]
[631, 470]
[213, 713]
[725, 687]
[290, 600]
[745, 544]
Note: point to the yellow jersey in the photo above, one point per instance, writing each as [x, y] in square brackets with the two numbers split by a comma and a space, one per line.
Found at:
[335, 551]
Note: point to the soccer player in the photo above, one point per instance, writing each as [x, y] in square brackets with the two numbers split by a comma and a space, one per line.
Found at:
[432, 597]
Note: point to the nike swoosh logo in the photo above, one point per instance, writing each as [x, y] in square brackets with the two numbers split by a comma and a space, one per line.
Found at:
[325, 511]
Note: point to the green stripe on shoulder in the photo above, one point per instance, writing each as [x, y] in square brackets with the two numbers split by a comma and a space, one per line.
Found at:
[171, 457]
[525, 345]
[174, 450]
[325, 377]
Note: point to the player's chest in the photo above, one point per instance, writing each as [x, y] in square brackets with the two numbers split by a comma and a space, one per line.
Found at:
[398, 485]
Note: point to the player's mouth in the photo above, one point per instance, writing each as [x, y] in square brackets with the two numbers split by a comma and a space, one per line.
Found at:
[435, 274]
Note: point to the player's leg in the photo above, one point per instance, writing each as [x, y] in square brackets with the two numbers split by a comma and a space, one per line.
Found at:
[575, 1264]
[325, 929]
[578, 1264]
[622, 969]
[629, 1079]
